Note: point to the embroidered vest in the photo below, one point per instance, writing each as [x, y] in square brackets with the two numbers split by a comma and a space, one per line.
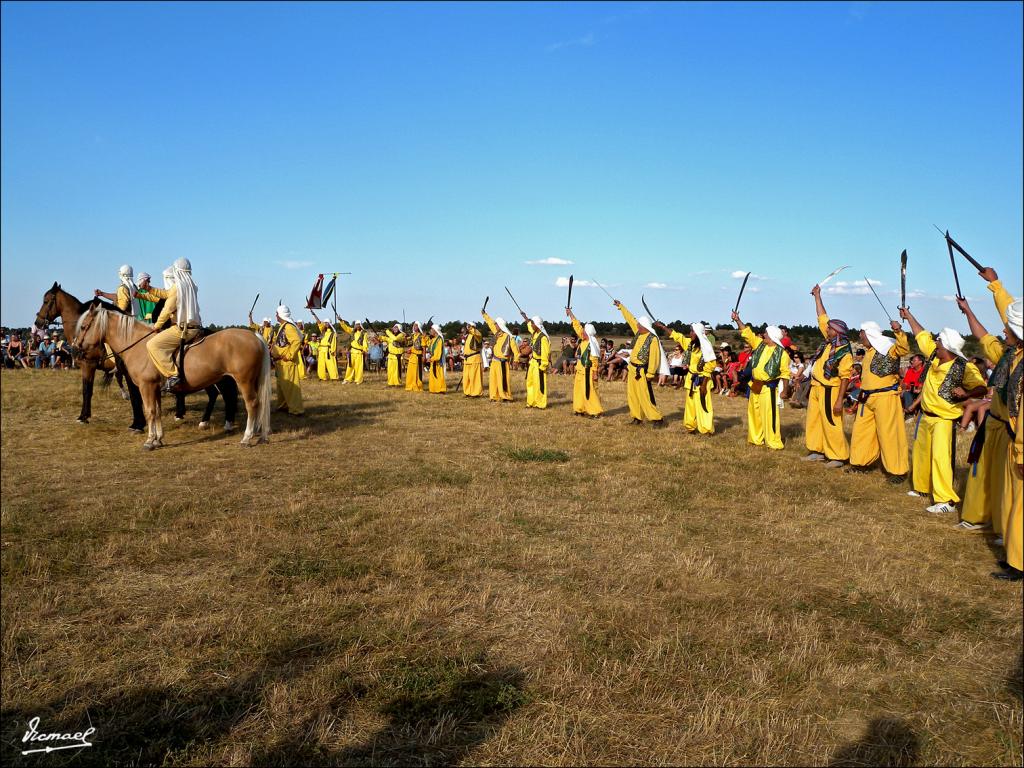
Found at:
[642, 356]
[773, 367]
[535, 342]
[954, 378]
[1001, 373]
[831, 366]
[883, 365]
[1013, 391]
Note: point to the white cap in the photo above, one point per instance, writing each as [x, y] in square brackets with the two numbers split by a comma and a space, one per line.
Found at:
[645, 322]
[774, 333]
[879, 341]
[539, 324]
[283, 312]
[145, 276]
[500, 322]
[952, 341]
[267, 320]
[1014, 317]
[125, 270]
[183, 264]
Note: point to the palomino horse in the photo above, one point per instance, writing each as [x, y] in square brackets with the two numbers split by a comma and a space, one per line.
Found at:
[234, 352]
[59, 303]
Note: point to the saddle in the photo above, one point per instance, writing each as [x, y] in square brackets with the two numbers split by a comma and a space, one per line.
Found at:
[178, 358]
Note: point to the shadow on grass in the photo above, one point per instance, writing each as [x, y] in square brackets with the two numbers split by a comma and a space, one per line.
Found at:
[325, 419]
[888, 742]
[1015, 682]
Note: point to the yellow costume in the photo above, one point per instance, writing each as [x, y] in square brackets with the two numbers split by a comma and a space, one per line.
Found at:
[266, 332]
[163, 345]
[435, 356]
[644, 363]
[1013, 527]
[396, 348]
[988, 482]
[585, 398]
[472, 365]
[327, 352]
[699, 409]
[879, 429]
[935, 440]
[356, 353]
[769, 366]
[287, 354]
[824, 431]
[537, 373]
[414, 366]
[499, 375]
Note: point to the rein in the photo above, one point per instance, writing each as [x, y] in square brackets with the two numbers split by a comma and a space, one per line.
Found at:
[137, 341]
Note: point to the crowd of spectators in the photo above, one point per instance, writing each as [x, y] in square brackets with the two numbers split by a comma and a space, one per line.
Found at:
[51, 350]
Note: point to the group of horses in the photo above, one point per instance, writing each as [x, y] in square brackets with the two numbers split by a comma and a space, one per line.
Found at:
[226, 362]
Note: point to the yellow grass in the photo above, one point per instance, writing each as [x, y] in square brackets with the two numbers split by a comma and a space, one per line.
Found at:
[406, 578]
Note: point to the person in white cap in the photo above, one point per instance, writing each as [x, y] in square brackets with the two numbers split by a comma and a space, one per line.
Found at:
[326, 350]
[699, 354]
[181, 315]
[540, 359]
[414, 363]
[435, 358]
[286, 352]
[146, 307]
[357, 349]
[585, 398]
[645, 364]
[992, 496]
[472, 365]
[506, 352]
[265, 329]
[949, 381]
[396, 350]
[879, 429]
[769, 369]
[125, 295]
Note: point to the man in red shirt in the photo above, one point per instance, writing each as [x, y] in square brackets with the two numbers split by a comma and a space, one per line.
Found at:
[913, 379]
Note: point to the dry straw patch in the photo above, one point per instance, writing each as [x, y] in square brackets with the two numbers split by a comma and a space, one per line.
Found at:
[415, 579]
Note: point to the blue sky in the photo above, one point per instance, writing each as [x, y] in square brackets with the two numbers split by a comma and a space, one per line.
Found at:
[436, 150]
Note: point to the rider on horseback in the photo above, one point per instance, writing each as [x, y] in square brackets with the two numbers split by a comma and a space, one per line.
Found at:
[181, 310]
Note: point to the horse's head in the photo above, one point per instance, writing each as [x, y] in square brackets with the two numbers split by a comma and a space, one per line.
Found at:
[90, 327]
[48, 311]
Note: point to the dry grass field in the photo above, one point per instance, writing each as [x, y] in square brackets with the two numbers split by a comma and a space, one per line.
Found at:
[415, 579]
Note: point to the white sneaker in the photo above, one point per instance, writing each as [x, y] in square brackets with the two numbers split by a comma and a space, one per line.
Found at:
[913, 493]
[834, 463]
[814, 457]
[998, 541]
[941, 508]
[963, 525]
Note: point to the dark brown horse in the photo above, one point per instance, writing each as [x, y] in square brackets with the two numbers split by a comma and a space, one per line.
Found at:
[59, 303]
[234, 352]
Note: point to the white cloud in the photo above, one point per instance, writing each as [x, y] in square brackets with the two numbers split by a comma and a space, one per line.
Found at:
[851, 287]
[739, 274]
[563, 282]
[294, 264]
[656, 285]
[585, 41]
[552, 261]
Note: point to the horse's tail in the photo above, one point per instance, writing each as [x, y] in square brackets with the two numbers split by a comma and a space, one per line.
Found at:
[264, 388]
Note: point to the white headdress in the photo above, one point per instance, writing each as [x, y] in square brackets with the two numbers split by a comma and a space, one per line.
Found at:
[126, 274]
[285, 314]
[881, 343]
[539, 324]
[437, 328]
[145, 276]
[500, 322]
[188, 293]
[591, 332]
[645, 322]
[267, 320]
[952, 341]
[168, 278]
[774, 333]
[1014, 318]
[707, 349]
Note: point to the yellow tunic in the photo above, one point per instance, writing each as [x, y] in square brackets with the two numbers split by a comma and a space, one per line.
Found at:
[536, 374]
[824, 430]
[287, 353]
[414, 367]
[327, 352]
[356, 353]
[763, 424]
[472, 365]
[266, 332]
[165, 344]
[435, 356]
[935, 441]
[585, 397]
[639, 386]
[879, 429]
[396, 348]
[499, 374]
[699, 408]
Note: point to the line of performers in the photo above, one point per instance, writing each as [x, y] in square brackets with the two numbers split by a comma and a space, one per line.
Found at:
[992, 497]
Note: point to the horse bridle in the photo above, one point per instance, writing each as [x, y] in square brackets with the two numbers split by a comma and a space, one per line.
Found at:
[49, 306]
[83, 328]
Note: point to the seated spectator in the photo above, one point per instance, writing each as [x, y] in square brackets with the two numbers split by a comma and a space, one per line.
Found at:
[486, 352]
[799, 379]
[376, 354]
[983, 367]
[566, 364]
[913, 380]
[45, 353]
[619, 364]
[853, 389]
[675, 366]
[62, 353]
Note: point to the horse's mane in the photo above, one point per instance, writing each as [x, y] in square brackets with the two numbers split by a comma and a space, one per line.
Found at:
[103, 312]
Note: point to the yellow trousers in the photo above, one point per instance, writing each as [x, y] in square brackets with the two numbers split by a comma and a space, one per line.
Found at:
[699, 411]
[394, 370]
[289, 392]
[764, 425]
[472, 377]
[824, 431]
[414, 374]
[326, 365]
[934, 454]
[437, 382]
[162, 347]
[499, 380]
[1013, 530]
[640, 397]
[986, 480]
[585, 398]
[536, 386]
[880, 431]
[354, 372]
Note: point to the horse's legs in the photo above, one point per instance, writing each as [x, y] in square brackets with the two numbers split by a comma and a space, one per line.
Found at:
[150, 395]
[229, 391]
[252, 404]
[134, 397]
[88, 376]
[179, 407]
[211, 399]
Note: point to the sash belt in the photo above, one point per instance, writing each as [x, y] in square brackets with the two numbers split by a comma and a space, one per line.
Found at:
[866, 393]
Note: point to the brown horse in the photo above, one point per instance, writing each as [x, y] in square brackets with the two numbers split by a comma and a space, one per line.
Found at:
[59, 303]
[234, 352]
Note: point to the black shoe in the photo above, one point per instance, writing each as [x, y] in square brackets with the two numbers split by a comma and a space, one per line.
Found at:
[659, 424]
[1011, 574]
[897, 479]
[136, 429]
[1004, 565]
[636, 422]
